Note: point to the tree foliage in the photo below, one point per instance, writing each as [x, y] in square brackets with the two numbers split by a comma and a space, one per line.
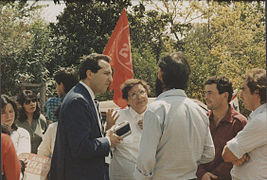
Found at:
[24, 46]
[83, 28]
[229, 39]
[231, 42]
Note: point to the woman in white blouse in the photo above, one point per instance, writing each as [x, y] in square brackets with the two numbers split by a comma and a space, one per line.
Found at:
[122, 166]
[20, 137]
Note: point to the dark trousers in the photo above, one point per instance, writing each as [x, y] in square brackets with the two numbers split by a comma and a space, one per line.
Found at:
[106, 170]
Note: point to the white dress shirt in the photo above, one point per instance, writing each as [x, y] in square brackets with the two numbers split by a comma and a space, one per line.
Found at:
[252, 140]
[125, 153]
[175, 140]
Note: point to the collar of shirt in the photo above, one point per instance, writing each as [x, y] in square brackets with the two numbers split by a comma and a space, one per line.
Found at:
[172, 92]
[135, 115]
[260, 109]
[228, 116]
[89, 90]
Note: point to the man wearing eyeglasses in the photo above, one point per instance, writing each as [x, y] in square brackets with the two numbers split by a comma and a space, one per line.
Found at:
[176, 136]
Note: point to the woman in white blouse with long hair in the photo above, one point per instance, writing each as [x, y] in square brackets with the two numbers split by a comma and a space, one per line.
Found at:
[135, 92]
[20, 137]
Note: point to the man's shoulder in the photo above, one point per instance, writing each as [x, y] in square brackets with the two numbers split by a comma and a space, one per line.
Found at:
[240, 117]
[260, 118]
[79, 92]
[53, 99]
[237, 116]
[157, 104]
[163, 102]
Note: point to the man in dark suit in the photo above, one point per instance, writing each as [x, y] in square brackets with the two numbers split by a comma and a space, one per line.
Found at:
[80, 146]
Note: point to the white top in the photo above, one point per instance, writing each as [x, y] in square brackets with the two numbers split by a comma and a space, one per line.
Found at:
[175, 140]
[21, 140]
[129, 147]
[47, 145]
[125, 153]
[252, 140]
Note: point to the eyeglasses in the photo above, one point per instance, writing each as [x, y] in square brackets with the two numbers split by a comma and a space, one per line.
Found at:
[28, 101]
[135, 94]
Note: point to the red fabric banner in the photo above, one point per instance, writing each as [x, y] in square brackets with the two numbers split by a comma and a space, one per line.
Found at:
[119, 49]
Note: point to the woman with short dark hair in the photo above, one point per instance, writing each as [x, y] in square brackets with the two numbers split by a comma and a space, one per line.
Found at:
[135, 92]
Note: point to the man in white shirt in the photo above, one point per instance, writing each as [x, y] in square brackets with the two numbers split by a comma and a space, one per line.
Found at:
[248, 150]
[176, 136]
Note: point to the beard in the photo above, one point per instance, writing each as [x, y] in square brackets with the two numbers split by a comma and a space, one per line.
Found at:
[159, 87]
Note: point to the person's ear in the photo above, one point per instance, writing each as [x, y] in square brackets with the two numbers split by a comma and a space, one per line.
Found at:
[257, 91]
[226, 95]
[89, 74]
[160, 74]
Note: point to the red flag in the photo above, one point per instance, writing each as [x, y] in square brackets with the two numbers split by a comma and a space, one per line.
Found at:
[119, 49]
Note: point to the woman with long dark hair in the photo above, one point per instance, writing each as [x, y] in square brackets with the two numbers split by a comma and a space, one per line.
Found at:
[31, 118]
[20, 136]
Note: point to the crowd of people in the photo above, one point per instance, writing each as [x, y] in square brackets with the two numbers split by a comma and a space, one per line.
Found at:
[171, 138]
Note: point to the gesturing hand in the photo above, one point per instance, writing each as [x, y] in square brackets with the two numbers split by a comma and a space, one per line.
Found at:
[111, 118]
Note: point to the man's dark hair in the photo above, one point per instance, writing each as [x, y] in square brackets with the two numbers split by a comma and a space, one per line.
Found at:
[176, 70]
[256, 79]
[223, 85]
[68, 77]
[91, 62]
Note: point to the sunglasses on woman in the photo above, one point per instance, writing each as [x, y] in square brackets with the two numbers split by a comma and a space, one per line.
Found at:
[28, 101]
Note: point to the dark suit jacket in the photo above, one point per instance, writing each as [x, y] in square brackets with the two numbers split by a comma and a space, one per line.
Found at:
[79, 152]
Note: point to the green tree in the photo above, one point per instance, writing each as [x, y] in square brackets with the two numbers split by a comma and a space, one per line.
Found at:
[145, 66]
[238, 38]
[203, 63]
[231, 41]
[24, 41]
[83, 28]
